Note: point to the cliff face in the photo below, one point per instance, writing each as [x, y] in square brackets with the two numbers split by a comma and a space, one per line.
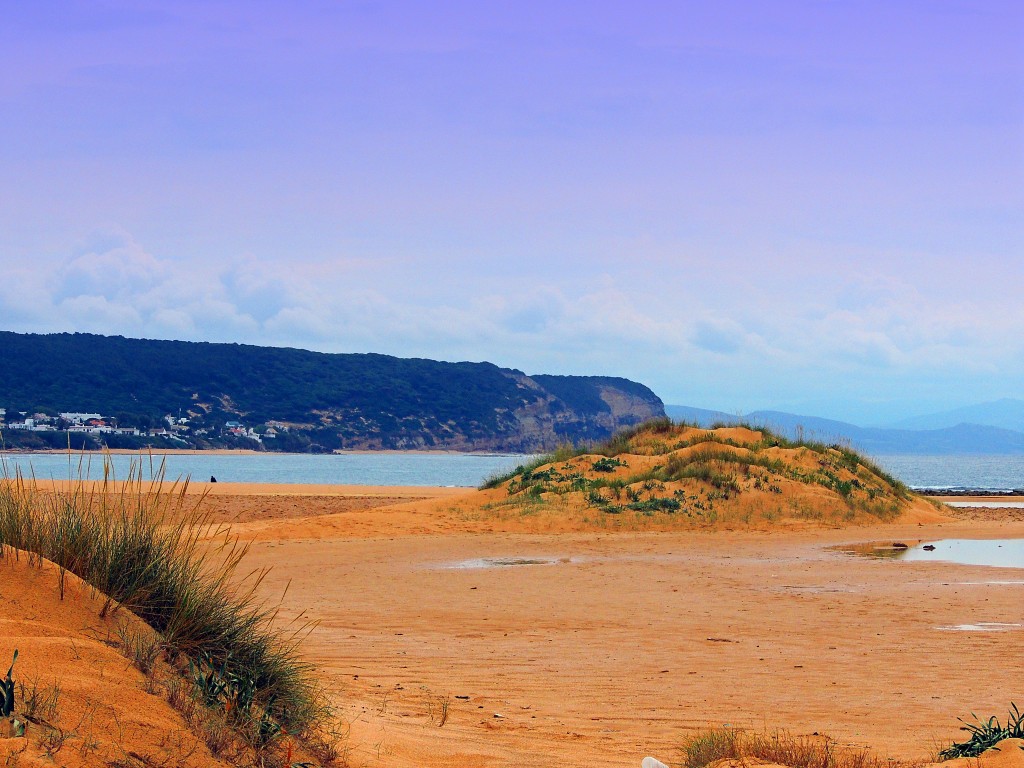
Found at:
[611, 404]
[591, 408]
[218, 393]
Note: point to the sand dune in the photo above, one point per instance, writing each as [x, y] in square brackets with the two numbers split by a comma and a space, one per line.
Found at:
[102, 713]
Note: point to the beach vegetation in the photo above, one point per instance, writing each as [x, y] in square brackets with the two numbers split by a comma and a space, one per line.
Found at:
[7, 690]
[743, 747]
[143, 546]
[710, 465]
[985, 734]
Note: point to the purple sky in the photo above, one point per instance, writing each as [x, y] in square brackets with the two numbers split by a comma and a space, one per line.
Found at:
[810, 206]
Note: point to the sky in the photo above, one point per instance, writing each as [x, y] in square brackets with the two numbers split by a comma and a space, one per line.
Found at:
[814, 206]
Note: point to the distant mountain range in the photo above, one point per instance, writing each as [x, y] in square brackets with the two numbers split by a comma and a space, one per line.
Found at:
[940, 433]
[212, 395]
[1007, 413]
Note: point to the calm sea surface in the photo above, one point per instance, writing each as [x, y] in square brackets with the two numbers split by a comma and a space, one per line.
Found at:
[978, 472]
[445, 469]
[453, 469]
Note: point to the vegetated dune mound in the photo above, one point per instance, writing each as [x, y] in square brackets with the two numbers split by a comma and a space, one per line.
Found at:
[681, 475]
[203, 674]
[81, 701]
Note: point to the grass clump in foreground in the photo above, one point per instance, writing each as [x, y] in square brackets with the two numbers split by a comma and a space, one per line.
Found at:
[985, 735]
[142, 545]
[709, 746]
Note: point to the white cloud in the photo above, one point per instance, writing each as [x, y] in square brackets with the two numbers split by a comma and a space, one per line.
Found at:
[746, 347]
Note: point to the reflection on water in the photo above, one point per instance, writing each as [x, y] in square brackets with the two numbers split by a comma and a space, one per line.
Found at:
[1002, 553]
[1001, 504]
[505, 562]
[982, 626]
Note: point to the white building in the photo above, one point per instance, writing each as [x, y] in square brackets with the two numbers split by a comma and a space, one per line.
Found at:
[80, 418]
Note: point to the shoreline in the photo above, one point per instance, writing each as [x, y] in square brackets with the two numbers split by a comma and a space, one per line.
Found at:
[247, 452]
[194, 487]
[249, 488]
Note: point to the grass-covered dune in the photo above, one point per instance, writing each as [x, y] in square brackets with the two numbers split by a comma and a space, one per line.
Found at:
[724, 475]
[207, 643]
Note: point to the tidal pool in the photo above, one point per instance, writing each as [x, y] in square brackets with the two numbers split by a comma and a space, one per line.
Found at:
[1001, 553]
[982, 626]
[504, 562]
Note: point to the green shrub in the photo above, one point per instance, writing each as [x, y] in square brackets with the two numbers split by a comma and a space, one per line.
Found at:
[605, 464]
[7, 690]
[985, 735]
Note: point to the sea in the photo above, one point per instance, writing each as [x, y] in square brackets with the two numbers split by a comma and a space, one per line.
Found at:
[977, 473]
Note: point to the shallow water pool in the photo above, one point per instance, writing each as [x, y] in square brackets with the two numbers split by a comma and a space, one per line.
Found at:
[1001, 553]
[504, 562]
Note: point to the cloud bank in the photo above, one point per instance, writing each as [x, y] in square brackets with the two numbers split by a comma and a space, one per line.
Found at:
[735, 346]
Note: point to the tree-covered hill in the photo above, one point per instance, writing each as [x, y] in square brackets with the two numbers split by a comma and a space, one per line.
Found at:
[334, 400]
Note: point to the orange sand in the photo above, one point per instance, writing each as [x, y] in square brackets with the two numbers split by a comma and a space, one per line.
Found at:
[630, 638]
[622, 640]
[103, 713]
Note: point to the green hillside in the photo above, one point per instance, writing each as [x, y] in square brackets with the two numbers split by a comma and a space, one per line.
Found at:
[336, 400]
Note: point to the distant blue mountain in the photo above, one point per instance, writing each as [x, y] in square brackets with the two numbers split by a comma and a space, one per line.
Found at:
[699, 416]
[950, 440]
[1007, 413]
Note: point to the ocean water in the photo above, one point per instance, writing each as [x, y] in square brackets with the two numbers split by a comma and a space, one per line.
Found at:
[431, 469]
[977, 472]
[982, 473]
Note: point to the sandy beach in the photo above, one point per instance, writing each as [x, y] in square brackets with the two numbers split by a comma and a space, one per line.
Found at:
[451, 633]
[605, 646]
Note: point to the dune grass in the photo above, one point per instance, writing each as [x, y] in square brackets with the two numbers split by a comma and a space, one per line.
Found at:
[985, 734]
[146, 546]
[713, 465]
[708, 746]
[626, 442]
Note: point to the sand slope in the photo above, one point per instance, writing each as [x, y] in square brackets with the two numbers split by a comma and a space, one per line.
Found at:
[103, 713]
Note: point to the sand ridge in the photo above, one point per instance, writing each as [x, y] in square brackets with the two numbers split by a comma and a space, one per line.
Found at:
[103, 713]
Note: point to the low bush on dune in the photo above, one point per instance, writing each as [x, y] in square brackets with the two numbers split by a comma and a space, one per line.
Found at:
[144, 546]
[709, 746]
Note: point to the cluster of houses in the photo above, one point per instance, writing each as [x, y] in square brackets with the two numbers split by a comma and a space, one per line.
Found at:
[68, 422]
[174, 428]
[240, 430]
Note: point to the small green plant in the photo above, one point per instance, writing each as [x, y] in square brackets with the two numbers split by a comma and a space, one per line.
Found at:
[655, 504]
[986, 734]
[39, 702]
[605, 464]
[7, 690]
[211, 683]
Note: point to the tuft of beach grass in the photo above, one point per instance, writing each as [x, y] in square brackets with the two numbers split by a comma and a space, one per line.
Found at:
[148, 547]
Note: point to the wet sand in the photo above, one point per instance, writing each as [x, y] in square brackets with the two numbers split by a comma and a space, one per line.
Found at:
[628, 639]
